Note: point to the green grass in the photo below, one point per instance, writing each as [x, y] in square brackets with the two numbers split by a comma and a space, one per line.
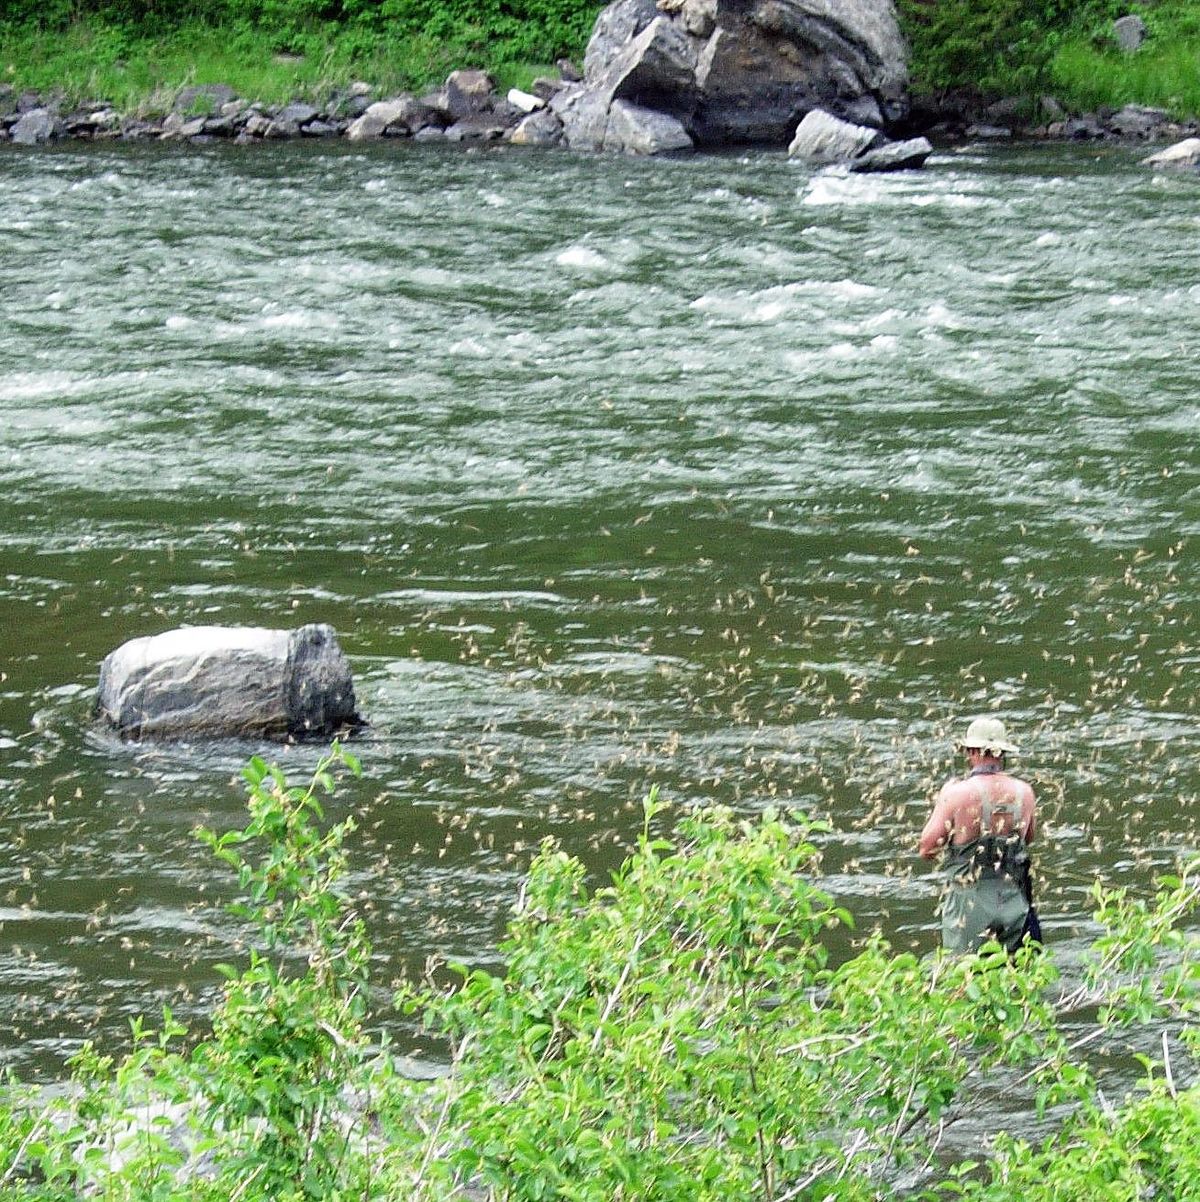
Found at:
[92, 63]
[1164, 74]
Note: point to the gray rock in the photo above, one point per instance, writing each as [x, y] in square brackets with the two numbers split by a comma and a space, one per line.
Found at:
[279, 130]
[655, 70]
[1130, 32]
[615, 27]
[482, 127]
[823, 138]
[35, 127]
[636, 130]
[584, 116]
[894, 156]
[699, 17]
[741, 71]
[228, 681]
[297, 114]
[430, 133]
[319, 129]
[256, 126]
[1181, 155]
[989, 133]
[1137, 121]
[660, 63]
[374, 123]
[349, 106]
[541, 128]
[1083, 129]
[469, 93]
[220, 127]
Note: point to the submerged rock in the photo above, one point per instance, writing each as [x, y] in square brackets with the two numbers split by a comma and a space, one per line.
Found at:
[228, 681]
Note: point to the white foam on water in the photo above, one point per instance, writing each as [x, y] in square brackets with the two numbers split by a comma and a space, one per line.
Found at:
[582, 257]
[300, 319]
[47, 385]
[839, 187]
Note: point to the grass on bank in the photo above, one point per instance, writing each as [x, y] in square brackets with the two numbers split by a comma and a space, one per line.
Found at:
[1163, 74]
[91, 62]
[1027, 49]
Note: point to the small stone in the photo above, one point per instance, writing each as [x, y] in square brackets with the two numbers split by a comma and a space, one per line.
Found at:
[526, 102]
[1130, 32]
[989, 133]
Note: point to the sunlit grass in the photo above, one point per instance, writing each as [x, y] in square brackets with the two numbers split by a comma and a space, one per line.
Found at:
[91, 63]
[1164, 74]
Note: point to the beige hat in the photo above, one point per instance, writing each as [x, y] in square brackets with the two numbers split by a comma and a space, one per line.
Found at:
[987, 735]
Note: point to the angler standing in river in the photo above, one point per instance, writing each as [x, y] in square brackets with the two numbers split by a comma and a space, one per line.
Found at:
[984, 824]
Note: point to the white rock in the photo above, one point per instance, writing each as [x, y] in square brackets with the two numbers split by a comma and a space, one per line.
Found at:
[824, 138]
[524, 101]
[1182, 154]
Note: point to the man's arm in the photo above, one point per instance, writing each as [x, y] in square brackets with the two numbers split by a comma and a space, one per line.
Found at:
[937, 830]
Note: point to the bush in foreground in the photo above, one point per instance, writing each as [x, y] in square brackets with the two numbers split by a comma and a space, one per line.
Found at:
[677, 1034]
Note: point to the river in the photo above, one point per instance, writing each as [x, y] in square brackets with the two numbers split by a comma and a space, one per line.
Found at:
[716, 473]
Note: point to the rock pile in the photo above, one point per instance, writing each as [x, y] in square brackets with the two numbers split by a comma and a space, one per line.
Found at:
[465, 108]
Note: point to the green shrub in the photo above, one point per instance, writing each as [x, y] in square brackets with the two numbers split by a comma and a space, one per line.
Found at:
[678, 1035]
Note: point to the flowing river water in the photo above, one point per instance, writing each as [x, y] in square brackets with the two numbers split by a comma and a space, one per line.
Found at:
[716, 473]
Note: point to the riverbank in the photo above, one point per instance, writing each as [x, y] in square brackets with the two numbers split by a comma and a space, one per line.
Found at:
[470, 106]
[94, 79]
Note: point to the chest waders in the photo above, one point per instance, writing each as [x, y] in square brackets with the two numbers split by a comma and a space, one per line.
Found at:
[990, 894]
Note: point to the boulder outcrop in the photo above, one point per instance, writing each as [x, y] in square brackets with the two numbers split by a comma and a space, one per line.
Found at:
[221, 681]
[737, 71]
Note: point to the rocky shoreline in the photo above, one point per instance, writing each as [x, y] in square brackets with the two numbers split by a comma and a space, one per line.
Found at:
[468, 109]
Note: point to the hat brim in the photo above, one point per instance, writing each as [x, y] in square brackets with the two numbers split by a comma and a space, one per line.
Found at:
[1003, 748]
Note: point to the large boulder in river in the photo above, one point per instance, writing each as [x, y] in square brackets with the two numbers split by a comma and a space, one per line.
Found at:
[228, 681]
[738, 71]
